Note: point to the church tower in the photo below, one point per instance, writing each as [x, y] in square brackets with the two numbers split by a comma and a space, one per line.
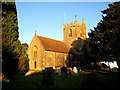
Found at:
[74, 30]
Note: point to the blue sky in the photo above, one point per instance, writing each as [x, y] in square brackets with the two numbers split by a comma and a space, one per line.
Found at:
[48, 17]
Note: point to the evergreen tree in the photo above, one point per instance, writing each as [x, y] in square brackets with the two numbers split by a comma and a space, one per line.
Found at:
[11, 46]
[23, 59]
[112, 20]
[104, 39]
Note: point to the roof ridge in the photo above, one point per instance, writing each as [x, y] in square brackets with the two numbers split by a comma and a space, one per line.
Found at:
[51, 39]
[54, 45]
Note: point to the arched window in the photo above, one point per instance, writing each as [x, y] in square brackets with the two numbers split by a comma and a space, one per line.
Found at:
[70, 33]
[35, 51]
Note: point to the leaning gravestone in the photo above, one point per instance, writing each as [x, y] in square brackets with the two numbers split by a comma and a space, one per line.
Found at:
[64, 71]
[48, 76]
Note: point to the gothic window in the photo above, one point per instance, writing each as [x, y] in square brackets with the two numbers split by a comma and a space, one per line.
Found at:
[70, 33]
[35, 51]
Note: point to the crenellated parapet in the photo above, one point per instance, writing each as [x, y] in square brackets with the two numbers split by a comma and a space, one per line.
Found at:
[73, 31]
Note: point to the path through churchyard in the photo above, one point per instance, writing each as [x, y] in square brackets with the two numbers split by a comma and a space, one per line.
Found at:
[90, 81]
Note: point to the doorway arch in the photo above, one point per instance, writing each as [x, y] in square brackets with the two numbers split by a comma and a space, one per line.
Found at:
[35, 65]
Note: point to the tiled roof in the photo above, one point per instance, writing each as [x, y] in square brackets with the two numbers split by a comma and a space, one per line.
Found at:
[54, 45]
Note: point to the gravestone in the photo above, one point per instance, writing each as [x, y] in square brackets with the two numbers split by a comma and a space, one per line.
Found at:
[75, 70]
[70, 71]
[48, 76]
[64, 71]
[58, 72]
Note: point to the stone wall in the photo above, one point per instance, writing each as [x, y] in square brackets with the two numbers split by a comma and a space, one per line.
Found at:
[48, 59]
[37, 46]
[78, 31]
[39, 58]
[54, 59]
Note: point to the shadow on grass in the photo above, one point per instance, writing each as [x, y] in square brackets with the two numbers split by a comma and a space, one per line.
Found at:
[34, 81]
[110, 79]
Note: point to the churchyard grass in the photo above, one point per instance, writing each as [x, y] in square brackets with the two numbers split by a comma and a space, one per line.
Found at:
[109, 78]
[72, 81]
[34, 81]
[21, 81]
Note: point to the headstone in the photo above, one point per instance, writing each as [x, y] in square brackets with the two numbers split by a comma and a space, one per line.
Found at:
[69, 71]
[64, 71]
[58, 71]
[75, 70]
[48, 76]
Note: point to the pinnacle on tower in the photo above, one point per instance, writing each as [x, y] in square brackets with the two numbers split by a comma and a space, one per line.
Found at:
[82, 20]
[35, 32]
[76, 17]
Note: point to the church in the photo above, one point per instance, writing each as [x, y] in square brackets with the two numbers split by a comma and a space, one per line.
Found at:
[45, 52]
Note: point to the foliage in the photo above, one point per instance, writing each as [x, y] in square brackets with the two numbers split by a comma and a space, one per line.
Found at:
[79, 54]
[85, 49]
[12, 50]
[75, 54]
[23, 59]
[104, 41]
[10, 43]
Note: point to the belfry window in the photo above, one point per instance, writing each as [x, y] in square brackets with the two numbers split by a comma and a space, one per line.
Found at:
[70, 33]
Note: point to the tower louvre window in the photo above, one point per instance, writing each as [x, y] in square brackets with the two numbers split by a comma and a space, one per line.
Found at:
[70, 33]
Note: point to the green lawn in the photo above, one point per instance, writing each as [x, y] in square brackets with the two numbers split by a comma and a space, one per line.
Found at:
[72, 81]
[111, 79]
[34, 81]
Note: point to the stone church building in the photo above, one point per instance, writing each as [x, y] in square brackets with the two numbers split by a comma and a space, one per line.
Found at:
[45, 52]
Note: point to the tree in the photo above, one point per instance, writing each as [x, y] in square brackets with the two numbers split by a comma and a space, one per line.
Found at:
[78, 55]
[86, 57]
[113, 19]
[104, 39]
[23, 59]
[11, 46]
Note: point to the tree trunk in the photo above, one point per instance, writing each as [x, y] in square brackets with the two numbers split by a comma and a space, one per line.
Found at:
[118, 63]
